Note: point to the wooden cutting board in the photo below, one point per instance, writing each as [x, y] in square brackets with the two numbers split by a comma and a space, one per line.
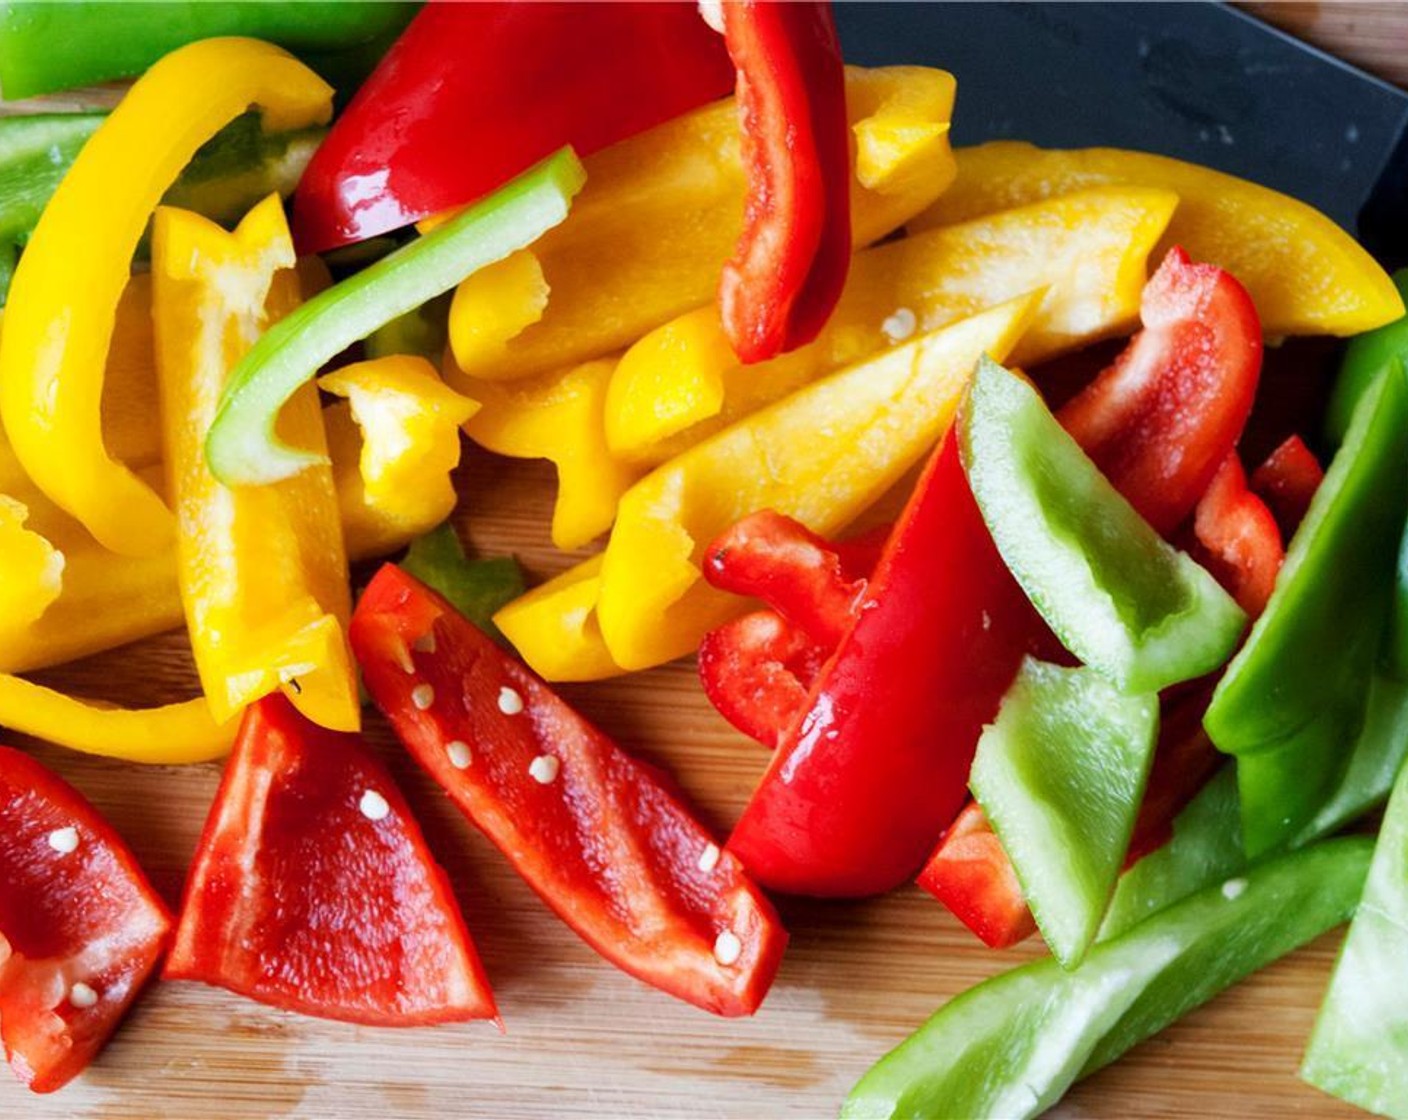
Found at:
[584, 1039]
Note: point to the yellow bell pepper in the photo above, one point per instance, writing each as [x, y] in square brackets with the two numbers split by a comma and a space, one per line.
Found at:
[681, 382]
[559, 417]
[410, 442]
[262, 569]
[660, 215]
[59, 319]
[822, 456]
[1305, 274]
[33, 568]
[172, 735]
[554, 627]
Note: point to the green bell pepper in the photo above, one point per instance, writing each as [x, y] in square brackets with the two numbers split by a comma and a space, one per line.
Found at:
[1365, 357]
[46, 47]
[1060, 774]
[243, 447]
[1121, 599]
[1296, 694]
[424, 331]
[1359, 1051]
[475, 588]
[1012, 1046]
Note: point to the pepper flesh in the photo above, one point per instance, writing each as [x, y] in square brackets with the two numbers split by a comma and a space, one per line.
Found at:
[1305, 274]
[1287, 482]
[555, 629]
[73, 271]
[789, 266]
[1365, 358]
[263, 570]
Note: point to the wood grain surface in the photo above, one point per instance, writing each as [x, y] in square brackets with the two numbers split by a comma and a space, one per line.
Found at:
[583, 1039]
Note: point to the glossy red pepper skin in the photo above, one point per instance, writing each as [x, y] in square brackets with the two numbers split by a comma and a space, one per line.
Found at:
[306, 896]
[1287, 481]
[472, 94]
[971, 875]
[1161, 420]
[596, 833]
[86, 916]
[1237, 539]
[790, 264]
[757, 671]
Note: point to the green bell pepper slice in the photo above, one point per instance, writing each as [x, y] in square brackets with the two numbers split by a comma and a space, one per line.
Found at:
[46, 46]
[475, 588]
[1014, 1044]
[1365, 357]
[243, 447]
[1060, 774]
[1117, 595]
[1359, 1049]
[1296, 694]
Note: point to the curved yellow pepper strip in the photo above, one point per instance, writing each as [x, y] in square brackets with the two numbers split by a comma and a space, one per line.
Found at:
[1304, 273]
[262, 569]
[59, 318]
[32, 568]
[172, 735]
[660, 215]
[682, 382]
[562, 418]
[554, 627]
[410, 434]
[823, 456]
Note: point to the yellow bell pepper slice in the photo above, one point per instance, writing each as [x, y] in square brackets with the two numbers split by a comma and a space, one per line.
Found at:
[33, 568]
[1304, 273]
[822, 456]
[561, 418]
[1089, 249]
[410, 436]
[59, 319]
[262, 569]
[660, 215]
[554, 627]
[172, 735]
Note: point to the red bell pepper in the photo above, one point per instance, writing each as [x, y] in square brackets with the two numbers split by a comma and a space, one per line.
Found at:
[471, 95]
[758, 671]
[596, 833]
[1237, 539]
[313, 890]
[80, 927]
[1287, 481]
[790, 264]
[970, 874]
[864, 784]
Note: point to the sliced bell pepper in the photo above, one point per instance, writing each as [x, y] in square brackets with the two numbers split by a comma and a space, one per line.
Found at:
[875, 419]
[1305, 274]
[34, 568]
[592, 831]
[789, 266]
[1089, 251]
[105, 42]
[410, 422]
[475, 588]
[312, 888]
[661, 213]
[1287, 482]
[263, 570]
[1365, 358]
[80, 927]
[58, 321]
[1140, 613]
[1237, 539]
[1060, 774]
[1283, 708]
[558, 418]
[472, 95]
[243, 447]
[554, 627]
[971, 875]
[1356, 1051]
[1013, 1045]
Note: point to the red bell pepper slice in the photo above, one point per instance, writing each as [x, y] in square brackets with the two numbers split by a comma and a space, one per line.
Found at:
[758, 671]
[471, 95]
[790, 264]
[596, 833]
[1161, 420]
[80, 927]
[312, 888]
[1287, 481]
[970, 874]
[1237, 539]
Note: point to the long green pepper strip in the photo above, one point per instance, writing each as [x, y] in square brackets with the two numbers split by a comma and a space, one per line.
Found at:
[243, 448]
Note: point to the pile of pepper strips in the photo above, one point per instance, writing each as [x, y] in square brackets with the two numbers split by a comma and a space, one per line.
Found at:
[1025, 538]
